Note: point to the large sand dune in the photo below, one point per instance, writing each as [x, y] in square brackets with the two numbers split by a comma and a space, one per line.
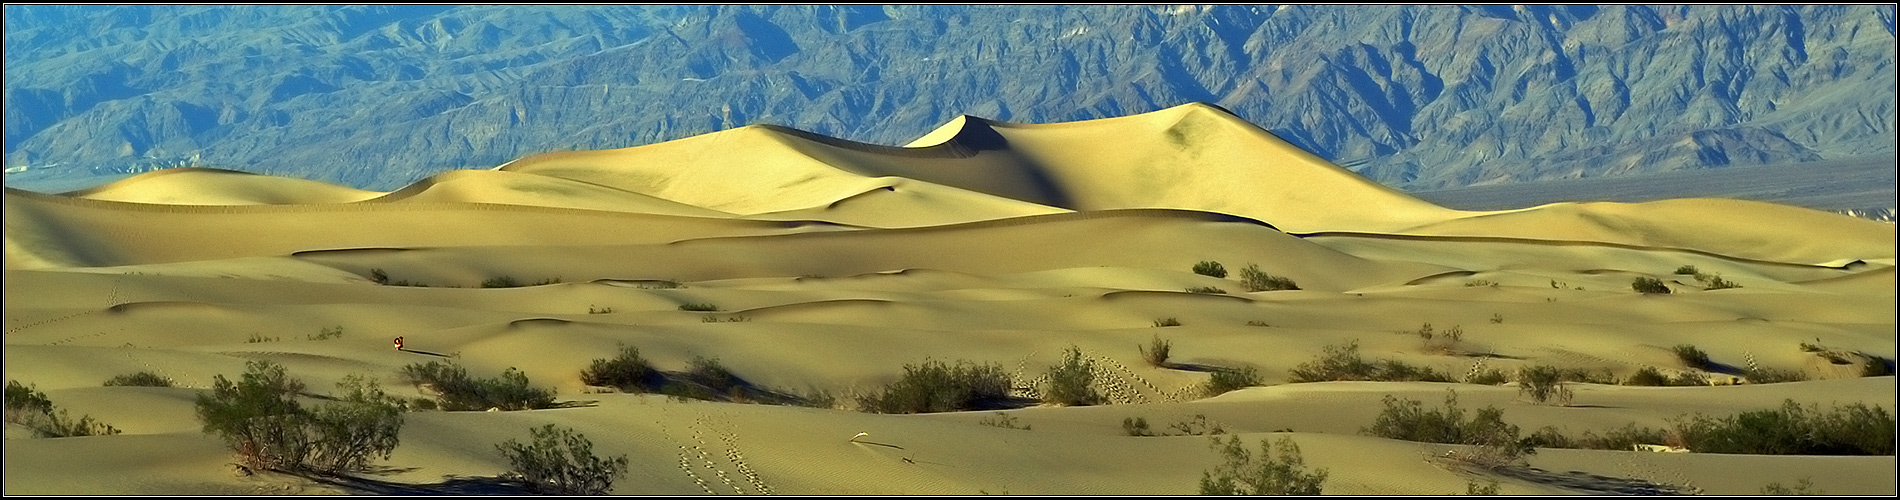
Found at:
[832, 264]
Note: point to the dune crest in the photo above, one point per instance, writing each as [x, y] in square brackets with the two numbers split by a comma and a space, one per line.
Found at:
[781, 280]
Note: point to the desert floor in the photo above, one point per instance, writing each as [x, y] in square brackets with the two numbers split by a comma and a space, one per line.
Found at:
[832, 265]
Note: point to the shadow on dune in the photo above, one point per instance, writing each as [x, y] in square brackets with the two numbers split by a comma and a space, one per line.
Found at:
[453, 485]
[419, 351]
[1592, 483]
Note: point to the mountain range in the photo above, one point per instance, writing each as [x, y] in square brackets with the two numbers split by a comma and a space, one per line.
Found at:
[1414, 97]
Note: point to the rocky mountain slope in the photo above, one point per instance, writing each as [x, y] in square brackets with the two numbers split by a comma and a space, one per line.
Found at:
[1416, 97]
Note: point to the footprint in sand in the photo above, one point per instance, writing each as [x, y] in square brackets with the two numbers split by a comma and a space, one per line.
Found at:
[686, 464]
[729, 435]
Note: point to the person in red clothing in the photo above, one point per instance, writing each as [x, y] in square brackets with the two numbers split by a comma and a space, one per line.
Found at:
[398, 343]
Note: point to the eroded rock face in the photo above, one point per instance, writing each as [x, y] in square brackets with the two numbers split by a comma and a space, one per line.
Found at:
[1420, 97]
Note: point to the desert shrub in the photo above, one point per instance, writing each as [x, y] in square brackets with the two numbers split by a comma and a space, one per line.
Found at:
[1481, 283]
[1766, 375]
[1198, 426]
[1647, 376]
[260, 419]
[1473, 488]
[1256, 280]
[713, 375]
[1257, 323]
[423, 404]
[1649, 285]
[1803, 487]
[258, 416]
[459, 392]
[1156, 353]
[1489, 376]
[258, 338]
[816, 398]
[699, 307]
[1853, 429]
[377, 275]
[1166, 322]
[561, 461]
[599, 310]
[1691, 270]
[31, 408]
[501, 282]
[23, 400]
[1542, 383]
[1223, 380]
[1137, 426]
[1395, 370]
[140, 379]
[1717, 283]
[1342, 362]
[936, 387]
[1071, 383]
[1205, 289]
[1622, 438]
[1210, 268]
[626, 371]
[1691, 356]
[363, 423]
[1244, 474]
[1406, 419]
[1875, 366]
[1004, 420]
[326, 333]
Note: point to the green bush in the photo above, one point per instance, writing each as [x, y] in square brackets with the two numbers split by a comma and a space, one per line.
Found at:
[1166, 322]
[1224, 380]
[1473, 488]
[1005, 421]
[1137, 426]
[1717, 283]
[1691, 356]
[1210, 268]
[1256, 280]
[699, 307]
[501, 282]
[936, 387]
[1876, 366]
[1156, 354]
[1649, 285]
[260, 418]
[1766, 375]
[22, 400]
[1406, 419]
[1853, 429]
[458, 392]
[1342, 362]
[627, 372]
[1198, 426]
[715, 376]
[561, 461]
[1243, 474]
[1205, 289]
[140, 379]
[1489, 376]
[1803, 487]
[1542, 383]
[1691, 270]
[1652, 377]
[326, 333]
[1071, 383]
[31, 408]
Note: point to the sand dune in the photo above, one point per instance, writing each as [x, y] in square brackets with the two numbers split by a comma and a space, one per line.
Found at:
[211, 186]
[807, 264]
